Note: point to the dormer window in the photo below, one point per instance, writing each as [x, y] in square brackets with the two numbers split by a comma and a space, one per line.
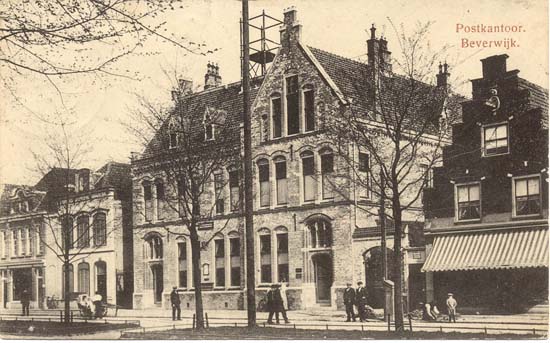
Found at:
[495, 139]
[209, 129]
[172, 137]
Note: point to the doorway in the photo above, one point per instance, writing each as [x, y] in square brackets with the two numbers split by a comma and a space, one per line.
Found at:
[374, 275]
[22, 280]
[322, 267]
[101, 279]
[157, 282]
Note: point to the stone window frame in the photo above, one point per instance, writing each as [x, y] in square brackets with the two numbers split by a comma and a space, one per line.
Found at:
[308, 87]
[173, 137]
[331, 194]
[514, 204]
[279, 158]
[273, 258]
[264, 162]
[228, 281]
[365, 191]
[287, 76]
[272, 97]
[189, 261]
[219, 181]
[219, 237]
[308, 153]
[81, 216]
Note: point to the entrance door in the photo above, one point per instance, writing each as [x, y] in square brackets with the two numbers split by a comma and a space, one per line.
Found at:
[22, 280]
[157, 282]
[323, 277]
[101, 279]
[374, 275]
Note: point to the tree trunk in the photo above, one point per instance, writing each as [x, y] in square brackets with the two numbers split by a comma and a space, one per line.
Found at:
[196, 261]
[67, 291]
[398, 266]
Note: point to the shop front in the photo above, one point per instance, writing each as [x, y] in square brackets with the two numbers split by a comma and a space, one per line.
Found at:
[502, 271]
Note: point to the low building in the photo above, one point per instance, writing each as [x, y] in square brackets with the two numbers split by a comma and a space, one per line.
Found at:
[487, 215]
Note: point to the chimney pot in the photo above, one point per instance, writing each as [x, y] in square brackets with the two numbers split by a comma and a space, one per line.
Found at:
[494, 66]
[372, 32]
[212, 77]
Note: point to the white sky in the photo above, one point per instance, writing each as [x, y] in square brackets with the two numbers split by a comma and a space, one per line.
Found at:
[340, 27]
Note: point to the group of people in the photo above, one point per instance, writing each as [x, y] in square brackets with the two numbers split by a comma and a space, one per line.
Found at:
[355, 297]
[276, 302]
[430, 312]
[92, 306]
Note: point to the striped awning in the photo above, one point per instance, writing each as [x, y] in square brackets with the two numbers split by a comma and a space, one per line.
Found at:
[489, 250]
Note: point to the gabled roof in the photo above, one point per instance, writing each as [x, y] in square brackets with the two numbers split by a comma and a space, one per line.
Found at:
[227, 98]
[114, 174]
[538, 98]
[9, 195]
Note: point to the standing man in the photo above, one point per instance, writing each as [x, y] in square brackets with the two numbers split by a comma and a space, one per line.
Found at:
[176, 302]
[349, 301]
[25, 301]
[451, 307]
[361, 301]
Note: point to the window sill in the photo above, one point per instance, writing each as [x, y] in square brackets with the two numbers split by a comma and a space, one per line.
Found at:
[462, 221]
[327, 200]
[494, 155]
[527, 216]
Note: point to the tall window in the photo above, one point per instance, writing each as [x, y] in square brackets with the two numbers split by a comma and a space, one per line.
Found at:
[208, 128]
[527, 196]
[428, 175]
[83, 231]
[100, 229]
[282, 257]
[23, 233]
[263, 171]
[218, 191]
[363, 170]
[67, 233]
[309, 110]
[327, 173]
[308, 172]
[280, 176]
[468, 202]
[219, 254]
[161, 197]
[84, 278]
[153, 247]
[265, 258]
[320, 234]
[172, 137]
[277, 118]
[3, 244]
[182, 187]
[15, 242]
[235, 260]
[182, 264]
[234, 192]
[148, 198]
[292, 105]
[495, 139]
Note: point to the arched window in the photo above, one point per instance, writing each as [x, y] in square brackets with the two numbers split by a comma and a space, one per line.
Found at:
[282, 254]
[234, 190]
[327, 173]
[308, 173]
[263, 175]
[219, 256]
[309, 109]
[209, 128]
[84, 278]
[292, 105]
[320, 234]
[235, 258]
[100, 229]
[218, 191]
[265, 256]
[83, 231]
[148, 199]
[280, 177]
[276, 115]
[161, 197]
[154, 247]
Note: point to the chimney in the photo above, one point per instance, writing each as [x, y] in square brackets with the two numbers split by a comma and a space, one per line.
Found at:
[378, 55]
[212, 77]
[494, 66]
[291, 29]
[443, 75]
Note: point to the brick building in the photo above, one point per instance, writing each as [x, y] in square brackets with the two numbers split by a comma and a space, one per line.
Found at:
[487, 215]
[309, 233]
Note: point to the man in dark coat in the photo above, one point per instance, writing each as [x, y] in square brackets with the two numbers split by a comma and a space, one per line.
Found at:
[349, 301]
[176, 302]
[275, 304]
[25, 302]
[361, 301]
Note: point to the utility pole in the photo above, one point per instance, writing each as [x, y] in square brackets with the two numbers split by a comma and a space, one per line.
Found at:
[248, 203]
[382, 219]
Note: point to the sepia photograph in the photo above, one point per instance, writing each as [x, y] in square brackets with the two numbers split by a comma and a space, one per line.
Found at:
[274, 170]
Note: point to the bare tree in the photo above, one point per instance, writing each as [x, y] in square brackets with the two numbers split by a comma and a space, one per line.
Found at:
[405, 127]
[189, 144]
[65, 151]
